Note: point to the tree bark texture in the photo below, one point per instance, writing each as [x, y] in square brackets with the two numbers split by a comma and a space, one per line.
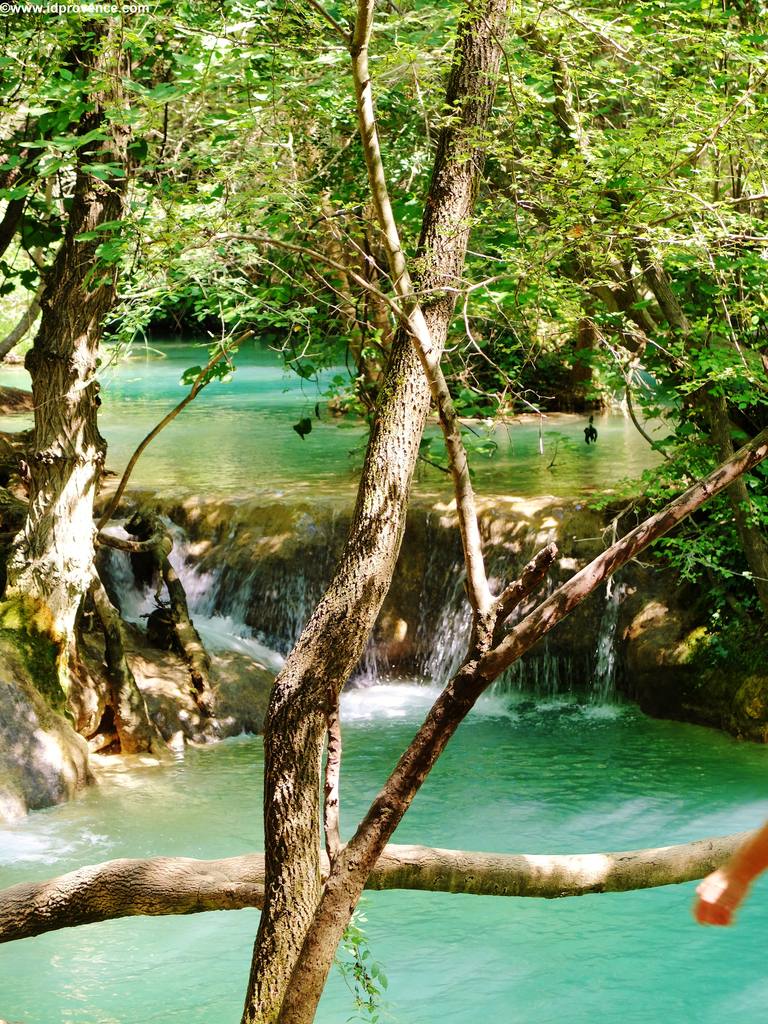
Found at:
[334, 639]
[52, 556]
[178, 885]
[292, 766]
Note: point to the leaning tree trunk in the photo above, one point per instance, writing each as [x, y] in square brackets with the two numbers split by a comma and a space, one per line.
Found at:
[306, 690]
[179, 885]
[51, 561]
[23, 325]
[486, 659]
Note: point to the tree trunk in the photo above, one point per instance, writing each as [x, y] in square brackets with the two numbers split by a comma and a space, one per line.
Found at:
[134, 728]
[148, 527]
[334, 639]
[659, 283]
[581, 370]
[178, 885]
[51, 563]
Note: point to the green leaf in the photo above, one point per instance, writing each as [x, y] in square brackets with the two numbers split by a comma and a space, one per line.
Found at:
[305, 370]
[190, 375]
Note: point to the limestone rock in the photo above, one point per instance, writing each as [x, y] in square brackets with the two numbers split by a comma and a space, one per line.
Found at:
[241, 690]
[43, 761]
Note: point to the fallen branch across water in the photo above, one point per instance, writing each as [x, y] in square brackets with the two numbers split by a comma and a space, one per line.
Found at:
[179, 885]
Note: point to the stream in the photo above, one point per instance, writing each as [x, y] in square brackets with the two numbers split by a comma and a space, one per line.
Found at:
[524, 774]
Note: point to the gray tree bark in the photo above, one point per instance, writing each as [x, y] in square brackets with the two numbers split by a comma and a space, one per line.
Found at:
[51, 562]
[178, 885]
[334, 639]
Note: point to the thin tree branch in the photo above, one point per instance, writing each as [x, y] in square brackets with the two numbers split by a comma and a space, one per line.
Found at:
[161, 544]
[338, 28]
[332, 772]
[197, 386]
[477, 580]
[530, 578]
[303, 250]
[628, 396]
[633, 416]
[25, 322]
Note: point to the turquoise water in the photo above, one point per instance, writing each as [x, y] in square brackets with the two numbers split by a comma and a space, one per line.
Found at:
[236, 439]
[551, 778]
[517, 778]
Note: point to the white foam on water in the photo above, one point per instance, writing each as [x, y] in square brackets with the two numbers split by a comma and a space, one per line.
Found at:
[36, 843]
[573, 708]
[496, 705]
[223, 633]
[411, 700]
[605, 712]
[387, 701]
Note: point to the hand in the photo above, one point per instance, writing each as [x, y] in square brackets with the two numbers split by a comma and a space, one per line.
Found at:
[719, 896]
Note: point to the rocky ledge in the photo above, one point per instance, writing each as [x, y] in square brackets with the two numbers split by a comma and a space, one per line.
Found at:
[43, 761]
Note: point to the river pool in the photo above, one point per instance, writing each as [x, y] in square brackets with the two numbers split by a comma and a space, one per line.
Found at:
[519, 777]
[535, 778]
[236, 439]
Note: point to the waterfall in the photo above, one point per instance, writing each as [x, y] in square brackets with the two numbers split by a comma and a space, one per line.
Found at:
[444, 621]
[604, 676]
[218, 632]
[254, 588]
[543, 673]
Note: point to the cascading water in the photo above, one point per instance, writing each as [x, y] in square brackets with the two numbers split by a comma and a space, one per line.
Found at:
[604, 676]
[543, 674]
[218, 632]
[444, 622]
[258, 607]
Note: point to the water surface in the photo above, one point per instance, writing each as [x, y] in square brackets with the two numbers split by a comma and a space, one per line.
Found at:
[237, 438]
[529, 778]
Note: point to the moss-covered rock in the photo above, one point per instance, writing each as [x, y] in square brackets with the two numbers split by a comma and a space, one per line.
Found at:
[43, 761]
[675, 669]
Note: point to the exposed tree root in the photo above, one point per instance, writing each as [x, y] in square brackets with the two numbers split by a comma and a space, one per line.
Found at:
[134, 728]
[155, 543]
